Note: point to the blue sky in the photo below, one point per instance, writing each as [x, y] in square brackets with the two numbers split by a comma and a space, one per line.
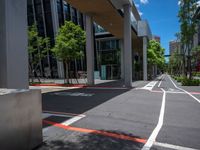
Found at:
[162, 17]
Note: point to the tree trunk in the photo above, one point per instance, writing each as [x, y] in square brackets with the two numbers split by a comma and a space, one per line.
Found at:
[67, 72]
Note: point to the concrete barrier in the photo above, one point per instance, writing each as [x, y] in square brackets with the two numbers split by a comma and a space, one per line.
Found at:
[20, 119]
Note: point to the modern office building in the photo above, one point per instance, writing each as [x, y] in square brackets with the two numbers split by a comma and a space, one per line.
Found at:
[49, 15]
[197, 35]
[173, 46]
[118, 17]
[196, 41]
[121, 19]
[156, 38]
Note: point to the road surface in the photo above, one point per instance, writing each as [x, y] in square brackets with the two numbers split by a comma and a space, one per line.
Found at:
[158, 115]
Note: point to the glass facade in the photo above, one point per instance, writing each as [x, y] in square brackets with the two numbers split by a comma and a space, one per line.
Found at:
[99, 29]
[67, 11]
[39, 12]
[108, 55]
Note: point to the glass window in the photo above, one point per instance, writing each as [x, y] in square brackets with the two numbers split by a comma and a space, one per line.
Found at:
[60, 12]
[98, 28]
[30, 13]
[74, 15]
[80, 18]
[67, 11]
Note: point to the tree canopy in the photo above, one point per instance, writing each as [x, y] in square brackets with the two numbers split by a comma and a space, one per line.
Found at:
[155, 54]
[38, 48]
[188, 26]
[70, 42]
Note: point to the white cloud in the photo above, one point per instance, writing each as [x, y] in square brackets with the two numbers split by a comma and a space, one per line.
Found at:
[140, 13]
[144, 1]
[137, 5]
[198, 3]
[179, 3]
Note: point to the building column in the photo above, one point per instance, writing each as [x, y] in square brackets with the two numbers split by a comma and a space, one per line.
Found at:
[13, 44]
[145, 58]
[54, 12]
[127, 46]
[90, 50]
[122, 58]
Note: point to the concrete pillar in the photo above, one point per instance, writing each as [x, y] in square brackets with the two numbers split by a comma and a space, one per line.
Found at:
[145, 58]
[122, 58]
[90, 50]
[127, 46]
[54, 11]
[13, 44]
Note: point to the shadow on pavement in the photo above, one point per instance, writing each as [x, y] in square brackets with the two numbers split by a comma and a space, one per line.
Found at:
[91, 141]
[78, 101]
[116, 83]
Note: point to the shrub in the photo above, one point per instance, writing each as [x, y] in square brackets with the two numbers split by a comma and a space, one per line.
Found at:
[197, 74]
[190, 82]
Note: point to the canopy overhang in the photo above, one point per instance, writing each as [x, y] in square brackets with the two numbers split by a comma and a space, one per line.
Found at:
[106, 14]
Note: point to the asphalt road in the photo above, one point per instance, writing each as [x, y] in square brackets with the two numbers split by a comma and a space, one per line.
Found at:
[155, 116]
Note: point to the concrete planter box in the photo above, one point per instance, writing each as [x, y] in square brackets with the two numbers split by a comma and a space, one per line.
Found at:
[20, 119]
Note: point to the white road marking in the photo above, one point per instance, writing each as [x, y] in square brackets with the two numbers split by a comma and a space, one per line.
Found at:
[150, 85]
[170, 146]
[67, 122]
[155, 132]
[183, 90]
[160, 81]
[72, 120]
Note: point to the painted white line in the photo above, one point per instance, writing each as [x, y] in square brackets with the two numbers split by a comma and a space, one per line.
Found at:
[183, 90]
[150, 85]
[170, 146]
[67, 122]
[72, 120]
[155, 132]
[160, 81]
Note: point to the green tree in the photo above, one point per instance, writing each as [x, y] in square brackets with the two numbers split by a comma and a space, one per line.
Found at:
[69, 44]
[195, 56]
[38, 48]
[155, 54]
[188, 27]
[175, 62]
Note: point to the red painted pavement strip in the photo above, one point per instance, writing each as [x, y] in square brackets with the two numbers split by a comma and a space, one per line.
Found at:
[74, 85]
[104, 133]
[59, 85]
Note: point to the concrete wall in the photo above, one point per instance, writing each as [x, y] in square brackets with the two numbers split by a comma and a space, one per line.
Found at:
[21, 120]
[13, 44]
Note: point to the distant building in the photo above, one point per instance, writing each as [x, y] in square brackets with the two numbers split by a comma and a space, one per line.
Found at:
[196, 41]
[173, 46]
[156, 38]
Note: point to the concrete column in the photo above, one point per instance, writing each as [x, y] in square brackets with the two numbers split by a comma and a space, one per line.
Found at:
[145, 58]
[54, 11]
[122, 58]
[127, 46]
[13, 44]
[90, 50]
